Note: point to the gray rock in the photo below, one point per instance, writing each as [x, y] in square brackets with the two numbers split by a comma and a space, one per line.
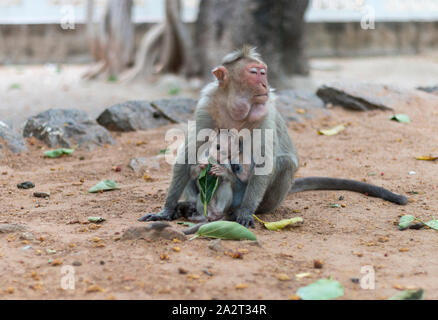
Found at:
[176, 110]
[66, 128]
[433, 90]
[294, 105]
[131, 116]
[26, 236]
[12, 140]
[9, 228]
[358, 96]
[153, 231]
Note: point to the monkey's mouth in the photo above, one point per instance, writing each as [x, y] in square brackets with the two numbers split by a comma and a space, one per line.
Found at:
[260, 98]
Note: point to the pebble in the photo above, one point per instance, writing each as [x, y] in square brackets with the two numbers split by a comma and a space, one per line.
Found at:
[25, 185]
[76, 263]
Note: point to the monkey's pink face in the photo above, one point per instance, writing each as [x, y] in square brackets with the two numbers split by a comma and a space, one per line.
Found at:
[252, 105]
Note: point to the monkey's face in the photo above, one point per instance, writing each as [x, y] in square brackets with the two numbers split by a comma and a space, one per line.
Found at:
[252, 93]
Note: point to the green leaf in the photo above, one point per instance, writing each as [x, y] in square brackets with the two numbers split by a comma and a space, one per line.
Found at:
[174, 91]
[277, 225]
[208, 184]
[409, 295]
[432, 224]
[112, 78]
[58, 152]
[335, 205]
[15, 86]
[104, 185]
[96, 219]
[401, 118]
[225, 230]
[405, 222]
[163, 151]
[323, 289]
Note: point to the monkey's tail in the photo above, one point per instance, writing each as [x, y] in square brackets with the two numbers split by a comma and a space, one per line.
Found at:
[323, 183]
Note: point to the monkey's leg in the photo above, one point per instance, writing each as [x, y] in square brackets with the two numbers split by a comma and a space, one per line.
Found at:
[280, 185]
[264, 193]
[180, 179]
[322, 183]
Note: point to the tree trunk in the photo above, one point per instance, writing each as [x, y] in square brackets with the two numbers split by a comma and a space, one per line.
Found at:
[275, 27]
[113, 44]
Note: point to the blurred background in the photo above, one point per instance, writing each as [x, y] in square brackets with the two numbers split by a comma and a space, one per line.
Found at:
[88, 55]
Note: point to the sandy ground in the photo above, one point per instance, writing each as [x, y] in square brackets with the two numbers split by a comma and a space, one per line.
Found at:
[361, 233]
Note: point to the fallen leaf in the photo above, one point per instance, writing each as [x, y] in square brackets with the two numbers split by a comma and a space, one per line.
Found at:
[283, 277]
[323, 289]
[96, 219]
[225, 230]
[401, 118]
[405, 221]
[333, 131]
[104, 185]
[58, 152]
[94, 288]
[278, 225]
[427, 158]
[432, 224]
[241, 286]
[409, 295]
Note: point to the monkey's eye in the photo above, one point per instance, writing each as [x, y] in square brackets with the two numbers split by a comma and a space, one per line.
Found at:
[253, 70]
[263, 71]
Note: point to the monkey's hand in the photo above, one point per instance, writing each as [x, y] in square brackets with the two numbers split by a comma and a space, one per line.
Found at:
[164, 214]
[244, 217]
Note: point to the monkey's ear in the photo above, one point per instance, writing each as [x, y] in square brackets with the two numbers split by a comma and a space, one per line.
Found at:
[221, 74]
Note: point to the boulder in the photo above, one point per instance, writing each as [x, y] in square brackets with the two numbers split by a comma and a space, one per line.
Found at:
[294, 105]
[131, 116]
[433, 90]
[10, 228]
[359, 96]
[66, 128]
[11, 140]
[176, 110]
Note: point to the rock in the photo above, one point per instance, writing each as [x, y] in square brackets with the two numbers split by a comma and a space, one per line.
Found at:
[26, 236]
[433, 90]
[215, 245]
[131, 116]
[296, 104]
[358, 96]
[176, 110]
[25, 185]
[41, 194]
[76, 263]
[66, 128]
[153, 231]
[9, 228]
[11, 139]
[140, 165]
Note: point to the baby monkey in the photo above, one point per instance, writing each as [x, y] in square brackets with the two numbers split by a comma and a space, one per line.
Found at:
[233, 179]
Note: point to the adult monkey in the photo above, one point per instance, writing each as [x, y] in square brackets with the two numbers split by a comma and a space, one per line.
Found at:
[240, 98]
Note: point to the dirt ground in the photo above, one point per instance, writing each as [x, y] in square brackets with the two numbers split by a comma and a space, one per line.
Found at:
[362, 232]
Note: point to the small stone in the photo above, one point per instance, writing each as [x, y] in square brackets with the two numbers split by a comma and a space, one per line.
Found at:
[181, 270]
[25, 185]
[355, 280]
[318, 264]
[215, 245]
[76, 263]
[41, 194]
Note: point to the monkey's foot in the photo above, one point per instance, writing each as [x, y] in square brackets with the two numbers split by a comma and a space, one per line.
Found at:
[160, 216]
[246, 220]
